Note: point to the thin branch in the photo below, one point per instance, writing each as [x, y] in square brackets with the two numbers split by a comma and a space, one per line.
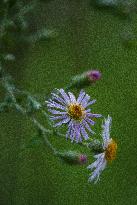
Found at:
[10, 92]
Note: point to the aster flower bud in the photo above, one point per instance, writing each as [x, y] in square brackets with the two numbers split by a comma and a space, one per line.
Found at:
[85, 79]
[93, 75]
[73, 157]
[82, 159]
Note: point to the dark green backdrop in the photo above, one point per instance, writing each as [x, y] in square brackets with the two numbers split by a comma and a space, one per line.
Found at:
[88, 38]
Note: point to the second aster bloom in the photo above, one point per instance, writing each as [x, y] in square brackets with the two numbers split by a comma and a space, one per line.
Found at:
[66, 109]
[108, 155]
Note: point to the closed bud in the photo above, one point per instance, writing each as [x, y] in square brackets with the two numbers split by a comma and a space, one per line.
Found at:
[85, 79]
[93, 75]
[82, 159]
[73, 157]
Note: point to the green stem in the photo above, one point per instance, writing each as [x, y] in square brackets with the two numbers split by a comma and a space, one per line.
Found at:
[40, 126]
[11, 90]
[68, 87]
[23, 111]
[53, 149]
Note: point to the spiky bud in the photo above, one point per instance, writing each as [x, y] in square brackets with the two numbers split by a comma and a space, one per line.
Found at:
[85, 79]
[93, 75]
[73, 157]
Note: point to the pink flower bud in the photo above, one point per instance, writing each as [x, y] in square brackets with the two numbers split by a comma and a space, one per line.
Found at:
[73, 157]
[82, 159]
[93, 75]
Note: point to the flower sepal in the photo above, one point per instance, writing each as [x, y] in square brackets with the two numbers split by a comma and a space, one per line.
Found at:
[80, 81]
[95, 146]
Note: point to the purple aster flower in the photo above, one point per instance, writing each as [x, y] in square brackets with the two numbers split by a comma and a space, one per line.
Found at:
[108, 155]
[66, 109]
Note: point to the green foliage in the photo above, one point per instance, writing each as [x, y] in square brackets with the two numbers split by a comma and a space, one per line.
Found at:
[123, 7]
[33, 104]
[110, 3]
[32, 143]
[129, 39]
[42, 34]
[14, 29]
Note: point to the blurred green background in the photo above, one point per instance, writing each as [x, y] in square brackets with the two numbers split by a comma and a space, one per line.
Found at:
[88, 38]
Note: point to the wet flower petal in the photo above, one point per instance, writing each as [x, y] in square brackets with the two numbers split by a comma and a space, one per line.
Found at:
[71, 111]
[108, 154]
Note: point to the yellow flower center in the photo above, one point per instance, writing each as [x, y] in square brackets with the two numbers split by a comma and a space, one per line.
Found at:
[76, 111]
[110, 152]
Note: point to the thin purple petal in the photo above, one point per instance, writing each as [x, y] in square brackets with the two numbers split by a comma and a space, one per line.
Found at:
[84, 133]
[58, 99]
[56, 105]
[94, 115]
[72, 135]
[62, 122]
[72, 97]
[91, 122]
[77, 133]
[85, 100]
[60, 117]
[65, 96]
[91, 102]
[81, 96]
[87, 126]
[56, 112]
[68, 132]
